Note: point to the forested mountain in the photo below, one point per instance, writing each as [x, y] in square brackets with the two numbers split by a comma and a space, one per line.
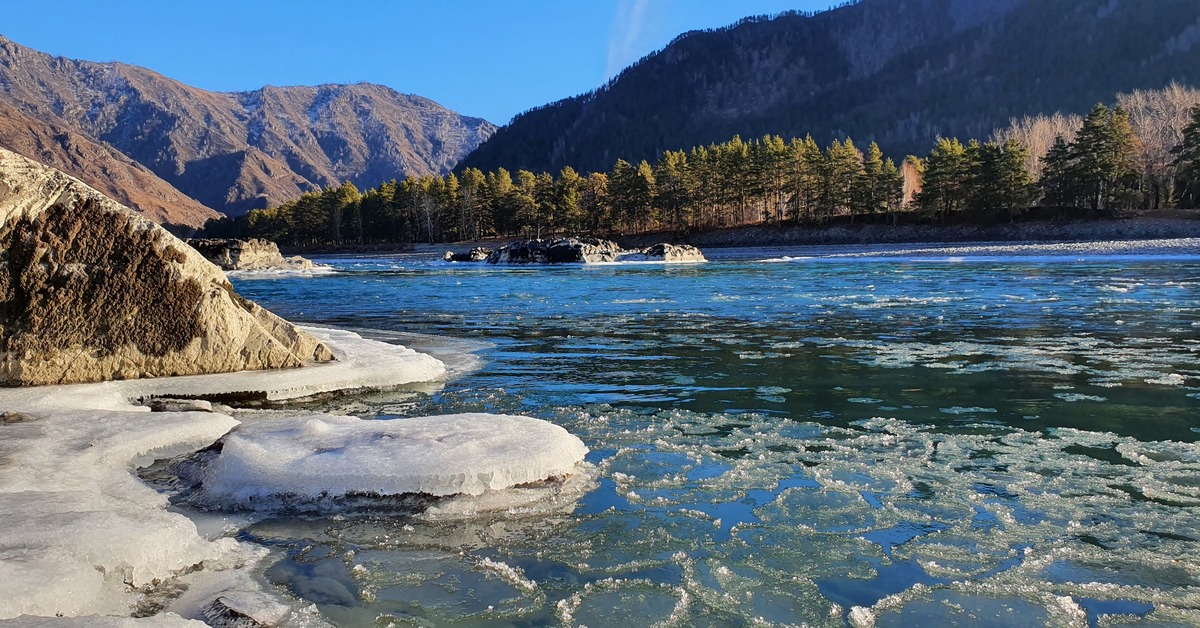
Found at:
[899, 72]
[226, 151]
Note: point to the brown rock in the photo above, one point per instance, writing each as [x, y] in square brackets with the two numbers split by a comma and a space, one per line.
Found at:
[90, 291]
[252, 254]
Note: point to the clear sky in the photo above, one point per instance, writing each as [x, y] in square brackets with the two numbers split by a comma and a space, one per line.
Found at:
[487, 58]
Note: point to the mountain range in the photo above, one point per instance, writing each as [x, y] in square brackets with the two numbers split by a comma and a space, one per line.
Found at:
[900, 72]
[181, 154]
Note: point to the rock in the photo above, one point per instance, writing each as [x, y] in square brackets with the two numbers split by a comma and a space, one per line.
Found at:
[11, 416]
[562, 251]
[180, 405]
[245, 609]
[91, 291]
[673, 253]
[477, 254]
[252, 254]
[588, 251]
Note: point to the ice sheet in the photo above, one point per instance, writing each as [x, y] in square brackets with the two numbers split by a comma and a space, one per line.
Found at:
[311, 460]
[79, 534]
[360, 364]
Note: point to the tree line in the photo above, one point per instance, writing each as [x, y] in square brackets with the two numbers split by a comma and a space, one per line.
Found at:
[1094, 165]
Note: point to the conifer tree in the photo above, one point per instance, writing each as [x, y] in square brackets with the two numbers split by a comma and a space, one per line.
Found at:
[1187, 162]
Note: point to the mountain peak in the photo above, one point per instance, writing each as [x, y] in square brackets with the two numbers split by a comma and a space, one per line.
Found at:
[231, 151]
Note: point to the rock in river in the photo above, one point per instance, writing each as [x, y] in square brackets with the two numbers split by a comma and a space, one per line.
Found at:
[91, 291]
[576, 251]
[252, 254]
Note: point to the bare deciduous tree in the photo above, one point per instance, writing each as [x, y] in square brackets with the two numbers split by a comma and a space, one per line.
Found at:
[1036, 134]
[1158, 118]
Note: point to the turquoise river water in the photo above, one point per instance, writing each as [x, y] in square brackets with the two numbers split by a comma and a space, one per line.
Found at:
[982, 437]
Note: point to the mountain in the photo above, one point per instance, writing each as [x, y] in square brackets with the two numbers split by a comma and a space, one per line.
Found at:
[230, 152]
[901, 72]
[100, 166]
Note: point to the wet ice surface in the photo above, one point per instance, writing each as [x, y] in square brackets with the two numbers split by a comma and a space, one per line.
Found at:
[308, 461]
[899, 442]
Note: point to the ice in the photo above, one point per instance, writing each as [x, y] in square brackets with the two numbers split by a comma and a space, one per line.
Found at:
[164, 620]
[80, 535]
[72, 514]
[281, 273]
[316, 459]
[360, 364]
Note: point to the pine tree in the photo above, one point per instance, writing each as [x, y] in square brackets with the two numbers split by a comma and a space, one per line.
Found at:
[1105, 159]
[844, 170]
[568, 201]
[1058, 183]
[945, 178]
[670, 175]
[1187, 162]
[869, 190]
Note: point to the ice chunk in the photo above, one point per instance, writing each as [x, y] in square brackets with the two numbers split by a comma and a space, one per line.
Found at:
[311, 459]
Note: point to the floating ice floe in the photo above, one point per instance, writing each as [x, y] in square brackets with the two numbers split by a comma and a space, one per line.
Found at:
[320, 459]
[80, 535]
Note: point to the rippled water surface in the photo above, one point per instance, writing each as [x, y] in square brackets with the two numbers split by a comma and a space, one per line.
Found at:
[988, 440]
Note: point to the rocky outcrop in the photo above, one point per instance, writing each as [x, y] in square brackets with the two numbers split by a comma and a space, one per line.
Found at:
[576, 251]
[252, 254]
[91, 291]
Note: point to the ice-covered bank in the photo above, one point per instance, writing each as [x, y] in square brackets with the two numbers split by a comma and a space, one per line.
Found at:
[80, 535]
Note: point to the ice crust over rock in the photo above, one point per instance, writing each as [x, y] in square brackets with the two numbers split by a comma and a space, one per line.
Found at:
[311, 459]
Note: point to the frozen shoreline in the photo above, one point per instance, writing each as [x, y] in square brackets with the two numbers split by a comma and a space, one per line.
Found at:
[81, 535]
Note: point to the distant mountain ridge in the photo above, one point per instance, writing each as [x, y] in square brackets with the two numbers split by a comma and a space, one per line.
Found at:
[230, 152]
[900, 72]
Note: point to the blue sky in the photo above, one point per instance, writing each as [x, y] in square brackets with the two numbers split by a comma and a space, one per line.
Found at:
[488, 58]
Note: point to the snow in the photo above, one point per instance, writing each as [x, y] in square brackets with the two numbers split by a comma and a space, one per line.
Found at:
[81, 536]
[313, 459]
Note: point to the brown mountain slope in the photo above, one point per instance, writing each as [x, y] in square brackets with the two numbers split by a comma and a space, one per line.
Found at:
[238, 151]
[101, 167]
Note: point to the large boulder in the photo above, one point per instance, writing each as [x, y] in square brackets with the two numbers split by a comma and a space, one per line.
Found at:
[91, 291]
[252, 254]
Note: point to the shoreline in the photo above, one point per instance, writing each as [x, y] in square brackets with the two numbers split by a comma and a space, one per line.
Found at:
[1158, 226]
